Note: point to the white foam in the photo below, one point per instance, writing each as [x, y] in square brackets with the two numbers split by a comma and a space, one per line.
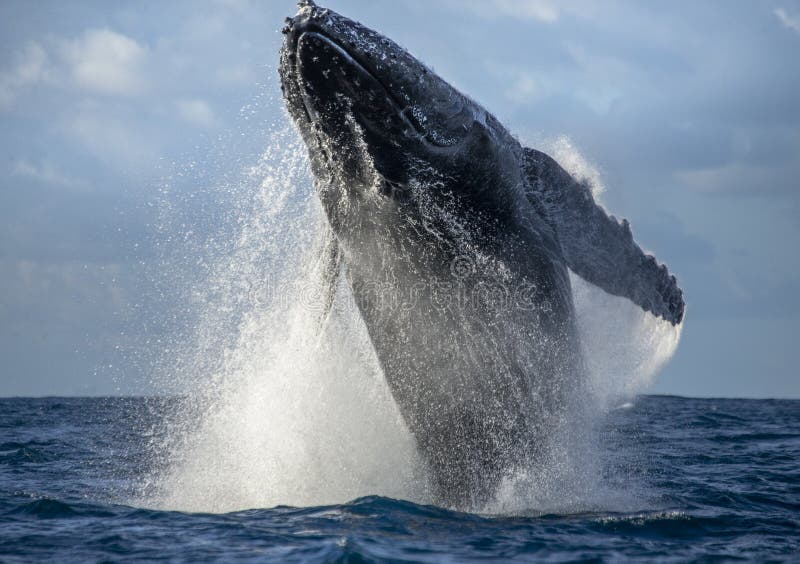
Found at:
[296, 421]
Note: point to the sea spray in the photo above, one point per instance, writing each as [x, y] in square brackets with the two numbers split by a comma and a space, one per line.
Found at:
[277, 409]
[624, 347]
[282, 410]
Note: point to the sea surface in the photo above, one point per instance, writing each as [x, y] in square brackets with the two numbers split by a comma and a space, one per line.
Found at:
[720, 480]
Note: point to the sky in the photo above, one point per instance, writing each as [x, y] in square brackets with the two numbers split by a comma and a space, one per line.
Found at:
[689, 111]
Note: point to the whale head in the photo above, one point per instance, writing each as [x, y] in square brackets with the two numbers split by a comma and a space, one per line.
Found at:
[376, 120]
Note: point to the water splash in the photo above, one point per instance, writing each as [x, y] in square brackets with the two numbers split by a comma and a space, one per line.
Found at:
[568, 156]
[624, 347]
[279, 412]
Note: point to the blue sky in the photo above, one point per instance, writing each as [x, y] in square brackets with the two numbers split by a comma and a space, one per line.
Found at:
[690, 112]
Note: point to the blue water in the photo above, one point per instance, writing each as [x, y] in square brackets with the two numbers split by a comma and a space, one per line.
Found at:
[721, 480]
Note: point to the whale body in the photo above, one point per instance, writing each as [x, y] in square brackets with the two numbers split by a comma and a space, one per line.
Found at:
[456, 242]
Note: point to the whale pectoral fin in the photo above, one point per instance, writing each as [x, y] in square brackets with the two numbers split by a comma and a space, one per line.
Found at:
[328, 266]
[596, 246]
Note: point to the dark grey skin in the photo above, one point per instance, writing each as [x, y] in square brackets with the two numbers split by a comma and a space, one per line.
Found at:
[456, 242]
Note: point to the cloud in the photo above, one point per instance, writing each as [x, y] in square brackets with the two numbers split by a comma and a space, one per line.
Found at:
[239, 74]
[523, 89]
[788, 20]
[668, 235]
[602, 74]
[36, 286]
[539, 10]
[240, 5]
[47, 174]
[32, 67]
[196, 112]
[106, 62]
[113, 140]
[100, 60]
[743, 179]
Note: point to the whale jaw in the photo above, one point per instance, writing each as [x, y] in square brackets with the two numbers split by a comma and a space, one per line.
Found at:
[367, 107]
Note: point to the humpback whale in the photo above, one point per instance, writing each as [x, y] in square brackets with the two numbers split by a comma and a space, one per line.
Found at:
[456, 242]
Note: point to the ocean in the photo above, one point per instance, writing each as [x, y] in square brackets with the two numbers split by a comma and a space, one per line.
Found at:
[711, 479]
